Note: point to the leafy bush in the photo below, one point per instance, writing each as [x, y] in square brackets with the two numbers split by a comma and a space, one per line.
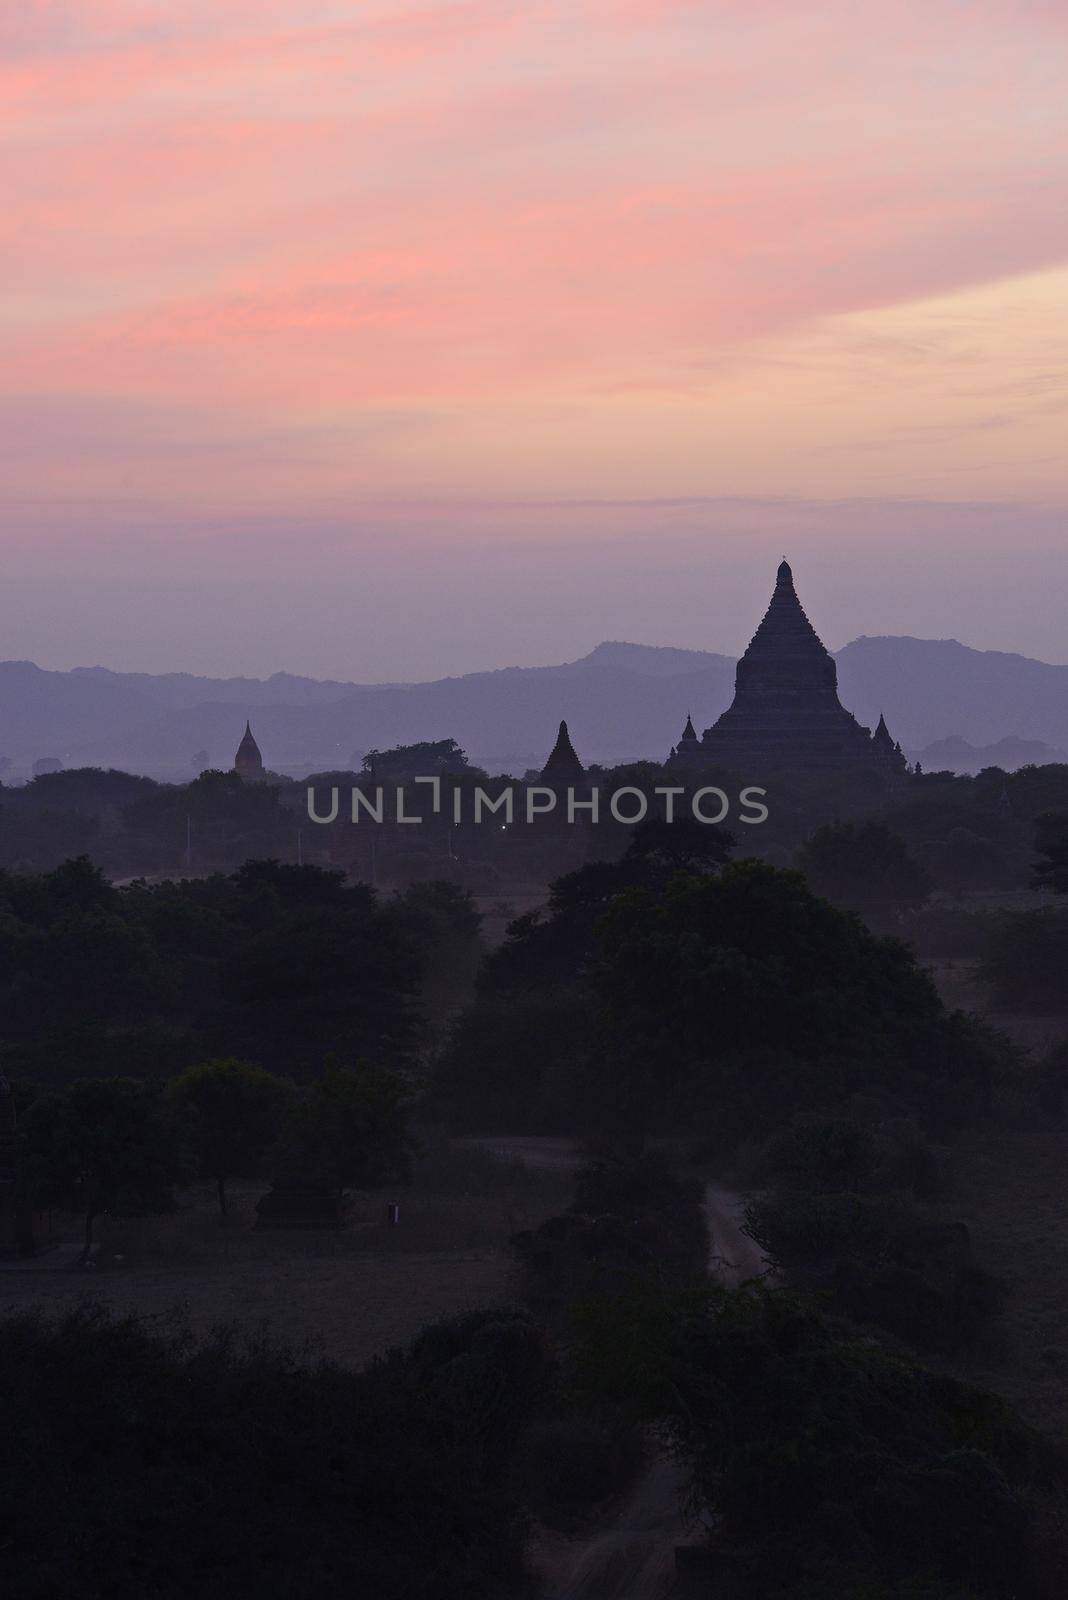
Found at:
[750, 998]
[821, 1153]
[234, 1113]
[1051, 1090]
[138, 1465]
[516, 1062]
[650, 999]
[626, 1218]
[880, 1260]
[1051, 842]
[350, 1129]
[815, 1453]
[865, 867]
[102, 1144]
[275, 964]
[824, 1154]
[574, 1463]
[1026, 962]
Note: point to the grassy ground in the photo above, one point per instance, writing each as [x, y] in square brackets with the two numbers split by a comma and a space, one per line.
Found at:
[1012, 1192]
[350, 1292]
[958, 984]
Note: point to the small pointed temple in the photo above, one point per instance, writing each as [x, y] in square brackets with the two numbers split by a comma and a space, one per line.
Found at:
[886, 752]
[248, 762]
[786, 714]
[563, 765]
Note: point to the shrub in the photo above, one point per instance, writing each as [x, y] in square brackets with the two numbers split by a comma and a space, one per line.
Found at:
[140, 1465]
[574, 1463]
[880, 1260]
[626, 1218]
[1026, 962]
[814, 1453]
[866, 1150]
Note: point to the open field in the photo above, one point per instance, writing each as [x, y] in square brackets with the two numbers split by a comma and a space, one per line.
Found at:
[350, 1292]
[1012, 1193]
[960, 989]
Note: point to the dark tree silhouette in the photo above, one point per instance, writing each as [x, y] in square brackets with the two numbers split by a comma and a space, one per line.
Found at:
[1051, 842]
[865, 867]
[235, 1114]
[99, 1144]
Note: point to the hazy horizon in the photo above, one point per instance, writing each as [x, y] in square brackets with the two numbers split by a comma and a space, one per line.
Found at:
[694, 574]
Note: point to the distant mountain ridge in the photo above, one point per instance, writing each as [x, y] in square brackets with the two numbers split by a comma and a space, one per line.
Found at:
[620, 701]
[934, 688]
[957, 755]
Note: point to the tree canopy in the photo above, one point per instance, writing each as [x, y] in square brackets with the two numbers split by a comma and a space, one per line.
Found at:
[235, 1115]
[139, 1463]
[275, 963]
[100, 1144]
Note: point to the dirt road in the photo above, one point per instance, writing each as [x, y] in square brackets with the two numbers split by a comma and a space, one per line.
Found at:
[631, 1555]
[733, 1256]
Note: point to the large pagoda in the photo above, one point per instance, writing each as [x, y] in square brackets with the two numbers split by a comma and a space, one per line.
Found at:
[786, 714]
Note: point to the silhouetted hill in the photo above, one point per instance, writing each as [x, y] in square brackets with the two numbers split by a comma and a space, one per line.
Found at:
[622, 700]
[932, 688]
[957, 755]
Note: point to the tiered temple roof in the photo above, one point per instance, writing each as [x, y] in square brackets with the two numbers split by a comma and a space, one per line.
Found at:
[786, 714]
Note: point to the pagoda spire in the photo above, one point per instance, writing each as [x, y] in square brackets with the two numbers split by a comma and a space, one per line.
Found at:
[886, 749]
[248, 761]
[563, 764]
[786, 652]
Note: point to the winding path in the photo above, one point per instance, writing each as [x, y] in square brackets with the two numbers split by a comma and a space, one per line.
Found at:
[631, 1555]
[733, 1256]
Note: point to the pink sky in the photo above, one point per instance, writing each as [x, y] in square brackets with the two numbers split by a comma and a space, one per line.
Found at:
[387, 340]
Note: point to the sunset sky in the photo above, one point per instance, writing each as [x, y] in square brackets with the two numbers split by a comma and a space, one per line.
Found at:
[385, 340]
